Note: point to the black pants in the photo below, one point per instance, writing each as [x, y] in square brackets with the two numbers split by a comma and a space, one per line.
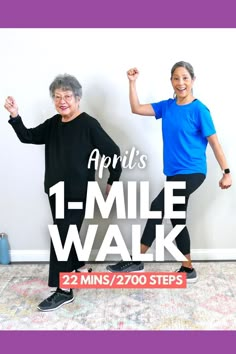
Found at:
[193, 181]
[72, 217]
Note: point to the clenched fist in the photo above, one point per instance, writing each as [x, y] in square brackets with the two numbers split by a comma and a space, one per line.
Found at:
[133, 74]
[11, 106]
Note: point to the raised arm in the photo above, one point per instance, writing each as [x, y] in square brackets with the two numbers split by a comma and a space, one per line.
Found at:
[136, 107]
[35, 135]
[226, 181]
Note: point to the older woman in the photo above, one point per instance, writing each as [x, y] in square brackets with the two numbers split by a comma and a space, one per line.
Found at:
[69, 137]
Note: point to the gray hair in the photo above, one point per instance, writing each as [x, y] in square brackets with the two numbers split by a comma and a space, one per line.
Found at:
[183, 64]
[66, 82]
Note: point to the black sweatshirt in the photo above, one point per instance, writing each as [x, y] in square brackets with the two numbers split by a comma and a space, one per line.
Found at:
[67, 150]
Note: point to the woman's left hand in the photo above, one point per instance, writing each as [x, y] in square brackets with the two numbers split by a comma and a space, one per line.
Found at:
[226, 181]
[108, 187]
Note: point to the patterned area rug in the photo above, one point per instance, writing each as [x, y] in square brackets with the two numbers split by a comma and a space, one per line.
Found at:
[210, 304]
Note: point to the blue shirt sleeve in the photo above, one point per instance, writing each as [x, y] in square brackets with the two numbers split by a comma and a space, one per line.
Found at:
[157, 107]
[161, 107]
[206, 123]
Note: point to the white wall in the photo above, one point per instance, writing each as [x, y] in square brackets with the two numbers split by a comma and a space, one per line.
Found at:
[99, 58]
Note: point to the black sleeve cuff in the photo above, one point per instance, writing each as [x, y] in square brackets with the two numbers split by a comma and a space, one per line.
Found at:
[13, 120]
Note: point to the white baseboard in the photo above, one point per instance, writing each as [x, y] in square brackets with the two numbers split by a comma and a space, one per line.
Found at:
[218, 254]
[29, 256]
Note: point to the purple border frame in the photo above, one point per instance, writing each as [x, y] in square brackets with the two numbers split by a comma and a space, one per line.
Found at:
[119, 14]
[117, 342]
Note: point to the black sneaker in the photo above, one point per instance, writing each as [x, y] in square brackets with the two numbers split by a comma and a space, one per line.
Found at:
[128, 266]
[56, 300]
[191, 276]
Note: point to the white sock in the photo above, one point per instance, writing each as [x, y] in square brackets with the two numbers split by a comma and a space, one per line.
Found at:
[66, 290]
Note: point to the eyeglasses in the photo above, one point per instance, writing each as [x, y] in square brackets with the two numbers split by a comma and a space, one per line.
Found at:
[66, 98]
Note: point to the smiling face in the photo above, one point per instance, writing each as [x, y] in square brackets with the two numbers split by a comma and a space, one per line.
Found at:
[182, 83]
[66, 104]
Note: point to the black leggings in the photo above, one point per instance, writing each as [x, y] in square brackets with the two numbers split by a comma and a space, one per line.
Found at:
[72, 217]
[193, 181]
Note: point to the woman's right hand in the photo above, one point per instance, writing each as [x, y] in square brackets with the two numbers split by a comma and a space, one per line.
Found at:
[11, 106]
[133, 74]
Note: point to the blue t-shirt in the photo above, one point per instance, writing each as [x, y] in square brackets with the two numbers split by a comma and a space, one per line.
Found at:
[184, 131]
